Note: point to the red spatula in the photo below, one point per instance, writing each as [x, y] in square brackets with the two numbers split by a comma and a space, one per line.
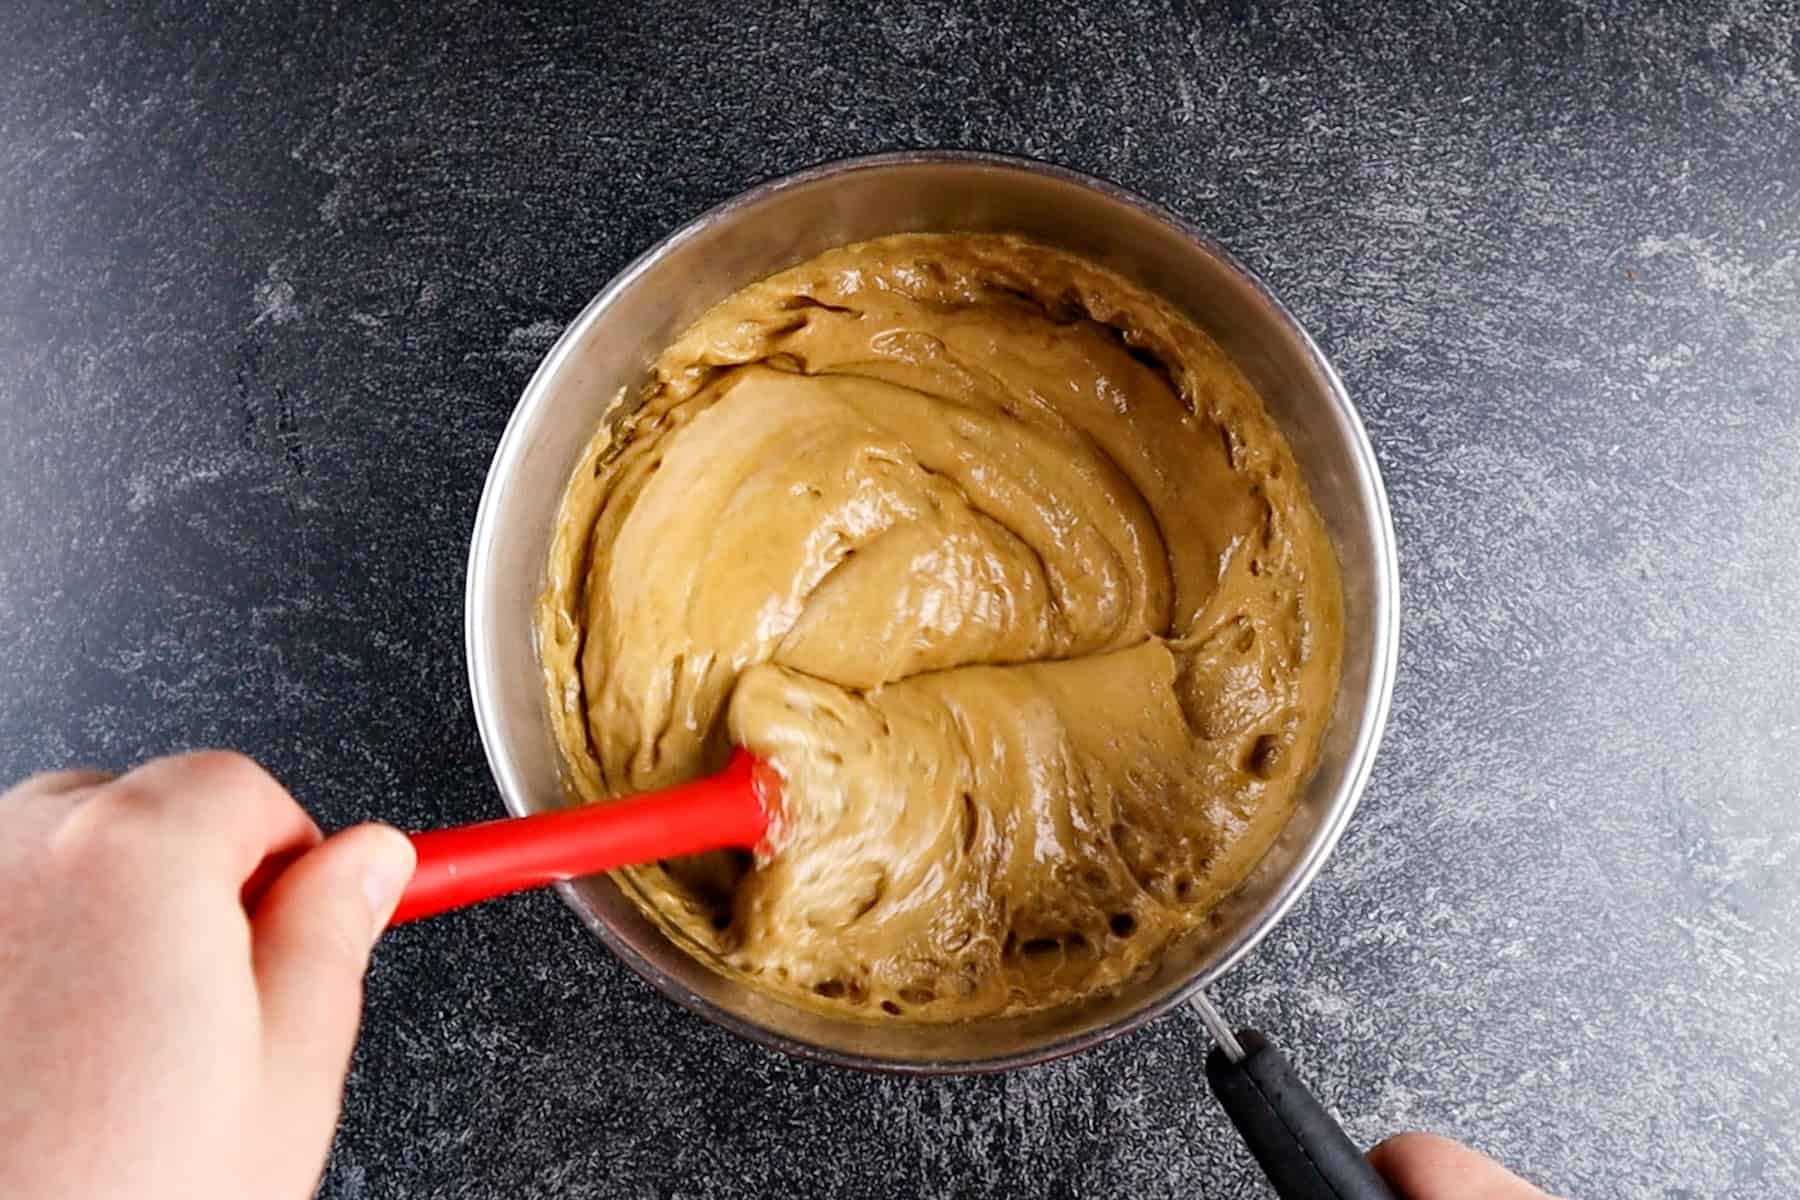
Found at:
[469, 863]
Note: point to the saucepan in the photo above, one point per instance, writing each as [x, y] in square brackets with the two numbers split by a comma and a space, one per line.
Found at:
[604, 355]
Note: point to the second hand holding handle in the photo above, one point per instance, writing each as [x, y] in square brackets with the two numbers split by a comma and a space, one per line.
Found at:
[469, 863]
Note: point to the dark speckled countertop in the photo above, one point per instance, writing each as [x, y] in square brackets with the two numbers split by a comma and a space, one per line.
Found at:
[271, 280]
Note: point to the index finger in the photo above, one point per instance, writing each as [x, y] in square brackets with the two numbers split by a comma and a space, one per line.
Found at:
[1423, 1166]
[224, 812]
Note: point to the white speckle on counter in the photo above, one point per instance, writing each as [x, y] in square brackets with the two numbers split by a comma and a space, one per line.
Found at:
[274, 298]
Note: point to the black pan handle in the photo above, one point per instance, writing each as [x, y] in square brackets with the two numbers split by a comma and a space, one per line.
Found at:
[1305, 1154]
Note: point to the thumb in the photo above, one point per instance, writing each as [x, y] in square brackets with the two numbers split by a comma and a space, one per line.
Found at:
[311, 937]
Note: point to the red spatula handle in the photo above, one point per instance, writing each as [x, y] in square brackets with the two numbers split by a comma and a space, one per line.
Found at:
[476, 862]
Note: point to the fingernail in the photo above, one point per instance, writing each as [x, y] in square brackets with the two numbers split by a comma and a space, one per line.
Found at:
[386, 871]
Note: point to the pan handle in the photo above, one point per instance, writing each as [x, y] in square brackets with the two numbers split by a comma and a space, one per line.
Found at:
[1304, 1152]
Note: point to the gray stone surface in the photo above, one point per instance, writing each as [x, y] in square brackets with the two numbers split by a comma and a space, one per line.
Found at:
[270, 281]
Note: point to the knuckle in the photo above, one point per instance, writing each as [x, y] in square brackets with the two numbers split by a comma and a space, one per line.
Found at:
[227, 769]
[127, 804]
[59, 782]
[227, 778]
[116, 823]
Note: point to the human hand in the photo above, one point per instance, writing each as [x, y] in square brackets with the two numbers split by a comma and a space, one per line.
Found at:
[160, 1040]
[1421, 1166]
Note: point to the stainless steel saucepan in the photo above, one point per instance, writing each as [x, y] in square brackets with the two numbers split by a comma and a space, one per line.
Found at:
[606, 351]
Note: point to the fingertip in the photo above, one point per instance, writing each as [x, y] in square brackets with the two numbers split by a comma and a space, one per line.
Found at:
[1404, 1146]
[387, 862]
[1425, 1166]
